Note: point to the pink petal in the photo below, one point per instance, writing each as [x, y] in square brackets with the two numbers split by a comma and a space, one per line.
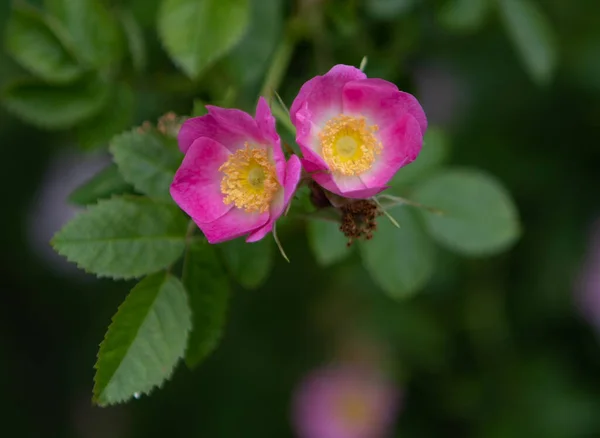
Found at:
[318, 170]
[196, 187]
[276, 210]
[292, 177]
[381, 102]
[364, 193]
[346, 186]
[322, 95]
[316, 401]
[238, 123]
[307, 133]
[265, 121]
[343, 186]
[259, 234]
[402, 143]
[266, 125]
[235, 223]
[230, 127]
[314, 157]
[314, 409]
[347, 183]
[302, 96]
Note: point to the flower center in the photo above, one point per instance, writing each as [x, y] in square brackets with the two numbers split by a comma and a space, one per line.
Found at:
[249, 180]
[349, 145]
[353, 410]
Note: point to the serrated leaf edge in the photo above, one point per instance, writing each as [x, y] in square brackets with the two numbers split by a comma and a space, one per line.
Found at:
[96, 205]
[96, 396]
[112, 149]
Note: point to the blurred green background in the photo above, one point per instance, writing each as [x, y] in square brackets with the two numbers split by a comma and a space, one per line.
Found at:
[491, 348]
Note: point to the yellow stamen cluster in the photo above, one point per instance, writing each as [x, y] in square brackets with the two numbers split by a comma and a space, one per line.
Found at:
[349, 145]
[249, 180]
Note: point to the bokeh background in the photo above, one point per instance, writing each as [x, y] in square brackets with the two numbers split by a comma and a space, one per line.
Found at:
[504, 346]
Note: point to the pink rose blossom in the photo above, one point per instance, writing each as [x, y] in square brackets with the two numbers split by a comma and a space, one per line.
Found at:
[356, 132]
[234, 179]
[345, 402]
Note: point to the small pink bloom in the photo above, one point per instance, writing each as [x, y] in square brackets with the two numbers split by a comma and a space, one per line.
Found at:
[587, 286]
[234, 179]
[356, 132]
[345, 402]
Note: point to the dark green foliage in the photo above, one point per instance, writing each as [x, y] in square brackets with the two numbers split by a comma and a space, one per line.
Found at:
[124, 237]
[144, 342]
[208, 291]
[471, 301]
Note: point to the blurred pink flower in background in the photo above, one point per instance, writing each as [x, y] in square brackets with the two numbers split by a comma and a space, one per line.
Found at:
[588, 285]
[345, 401]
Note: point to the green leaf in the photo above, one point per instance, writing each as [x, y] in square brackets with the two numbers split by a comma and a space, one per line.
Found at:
[33, 44]
[208, 288]
[250, 58]
[532, 36]
[104, 184]
[92, 30]
[56, 107]
[135, 39]
[249, 263]
[147, 160]
[124, 237]
[479, 216]
[327, 242]
[113, 119]
[196, 33]
[433, 154]
[400, 260]
[464, 15]
[388, 9]
[144, 342]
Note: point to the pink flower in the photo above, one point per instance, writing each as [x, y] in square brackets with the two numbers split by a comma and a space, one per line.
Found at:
[354, 132]
[345, 402]
[587, 285]
[234, 179]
